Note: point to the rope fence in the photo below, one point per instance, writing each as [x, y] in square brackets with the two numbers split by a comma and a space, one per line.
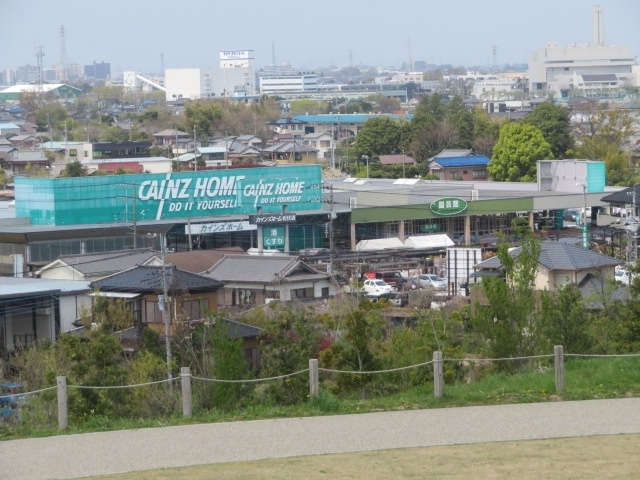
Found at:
[314, 374]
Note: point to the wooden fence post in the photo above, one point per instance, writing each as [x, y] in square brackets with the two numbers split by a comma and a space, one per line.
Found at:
[314, 389]
[63, 413]
[438, 375]
[185, 373]
[558, 353]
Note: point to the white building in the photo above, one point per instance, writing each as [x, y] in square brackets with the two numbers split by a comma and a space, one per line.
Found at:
[553, 68]
[234, 77]
[300, 82]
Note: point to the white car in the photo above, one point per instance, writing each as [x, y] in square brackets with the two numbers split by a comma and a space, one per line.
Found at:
[623, 276]
[376, 287]
[429, 280]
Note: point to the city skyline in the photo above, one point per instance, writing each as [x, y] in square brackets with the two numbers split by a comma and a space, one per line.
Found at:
[133, 36]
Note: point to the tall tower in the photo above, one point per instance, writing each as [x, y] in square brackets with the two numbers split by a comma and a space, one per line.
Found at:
[39, 55]
[63, 56]
[598, 25]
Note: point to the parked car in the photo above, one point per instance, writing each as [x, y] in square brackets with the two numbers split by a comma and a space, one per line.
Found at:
[623, 276]
[307, 252]
[429, 280]
[376, 287]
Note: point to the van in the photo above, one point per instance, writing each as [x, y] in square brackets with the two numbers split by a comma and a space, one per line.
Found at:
[390, 277]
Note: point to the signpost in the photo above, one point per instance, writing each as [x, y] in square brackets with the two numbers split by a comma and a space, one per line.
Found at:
[448, 206]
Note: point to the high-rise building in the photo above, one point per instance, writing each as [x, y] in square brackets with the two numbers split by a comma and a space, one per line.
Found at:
[100, 71]
[596, 70]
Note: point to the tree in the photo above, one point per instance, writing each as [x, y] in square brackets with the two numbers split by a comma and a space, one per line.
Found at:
[49, 116]
[565, 319]
[508, 321]
[555, 124]
[461, 118]
[603, 133]
[485, 132]
[74, 169]
[35, 170]
[379, 136]
[205, 115]
[515, 155]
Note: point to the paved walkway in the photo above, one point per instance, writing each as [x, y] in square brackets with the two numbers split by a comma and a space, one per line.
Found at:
[70, 456]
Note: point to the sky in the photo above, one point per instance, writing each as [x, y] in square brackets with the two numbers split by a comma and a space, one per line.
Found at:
[144, 35]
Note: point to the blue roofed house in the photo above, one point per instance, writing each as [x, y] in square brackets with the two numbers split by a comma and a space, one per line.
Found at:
[459, 165]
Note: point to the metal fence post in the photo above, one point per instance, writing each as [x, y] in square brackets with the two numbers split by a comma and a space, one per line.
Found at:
[438, 375]
[63, 413]
[558, 354]
[314, 389]
[185, 374]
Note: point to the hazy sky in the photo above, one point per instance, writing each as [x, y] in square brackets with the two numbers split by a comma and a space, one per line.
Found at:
[132, 34]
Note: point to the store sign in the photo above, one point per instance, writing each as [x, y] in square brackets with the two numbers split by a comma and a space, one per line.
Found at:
[174, 195]
[448, 206]
[273, 237]
[430, 227]
[235, 54]
[272, 219]
[220, 227]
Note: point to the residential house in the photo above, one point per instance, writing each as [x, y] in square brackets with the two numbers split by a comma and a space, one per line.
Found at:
[464, 167]
[198, 261]
[561, 263]
[251, 281]
[251, 141]
[25, 141]
[93, 266]
[290, 151]
[321, 141]
[9, 129]
[397, 159]
[22, 158]
[290, 126]
[33, 310]
[191, 296]
[168, 137]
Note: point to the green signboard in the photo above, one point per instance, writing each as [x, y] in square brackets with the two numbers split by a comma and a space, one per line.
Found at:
[273, 237]
[124, 198]
[430, 227]
[448, 206]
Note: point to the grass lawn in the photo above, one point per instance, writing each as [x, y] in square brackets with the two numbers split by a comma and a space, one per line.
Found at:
[568, 458]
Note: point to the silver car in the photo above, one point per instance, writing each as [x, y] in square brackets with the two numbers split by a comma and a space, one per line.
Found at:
[429, 280]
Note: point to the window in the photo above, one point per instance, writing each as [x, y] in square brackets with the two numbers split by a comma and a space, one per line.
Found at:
[86, 153]
[73, 152]
[195, 309]
[453, 174]
[243, 296]
[325, 292]
[152, 313]
[479, 173]
[302, 293]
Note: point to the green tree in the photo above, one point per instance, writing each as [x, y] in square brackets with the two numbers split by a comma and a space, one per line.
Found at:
[460, 117]
[50, 116]
[485, 132]
[290, 338]
[74, 169]
[515, 155]
[3, 179]
[35, 170]
[509, 320]
[565, 319]
[379, 136]
[555, 124]
[205, 115]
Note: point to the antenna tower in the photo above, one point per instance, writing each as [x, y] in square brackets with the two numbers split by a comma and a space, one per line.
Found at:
[494, 58]
[39, 55]
[63, 55]
[410, 66]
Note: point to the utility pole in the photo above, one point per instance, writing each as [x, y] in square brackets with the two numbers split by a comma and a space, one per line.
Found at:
[165, 307]
[331, 215]
[135, 219]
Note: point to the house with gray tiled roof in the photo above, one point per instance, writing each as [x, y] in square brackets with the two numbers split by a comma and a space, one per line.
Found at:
[199, 261]
[93, 266]
[256, 280]
[561, 263]
[191, 296]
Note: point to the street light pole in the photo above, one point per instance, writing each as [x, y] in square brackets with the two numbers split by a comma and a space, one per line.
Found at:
[585, 240]
[403, 176]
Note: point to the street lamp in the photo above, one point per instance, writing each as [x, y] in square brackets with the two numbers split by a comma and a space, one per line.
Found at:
[366, 159]
[585, 242]
[403, 176]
